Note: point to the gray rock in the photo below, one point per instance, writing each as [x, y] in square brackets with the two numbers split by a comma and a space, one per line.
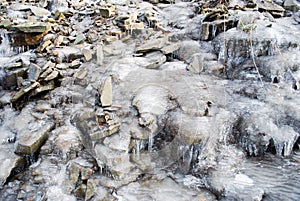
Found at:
[270, 6]
[67, 141]
[79, 39]
[88, 54]
[153, 60]
[24, 91]
[196, 65]
[155, 44]
[119, 141]
[187, 49]
[48, 87]
[10, 162]
[100, 55]
[57, 193]
[153, 99]
[54, 74]
[40, 12]
[34, 72]
[67, 54]
[259, 129]
[201, 62]
[31, 140]
[47, 72]
[264, 42]
[112, 128]
[11, 77]
[32, 28]
[110, 157]
[170, 49]
[105, 91]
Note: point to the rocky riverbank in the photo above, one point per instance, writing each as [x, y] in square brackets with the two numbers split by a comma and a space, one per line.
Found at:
[145, 100]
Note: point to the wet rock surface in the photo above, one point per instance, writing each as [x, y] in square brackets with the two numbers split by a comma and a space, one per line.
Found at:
[158, 100]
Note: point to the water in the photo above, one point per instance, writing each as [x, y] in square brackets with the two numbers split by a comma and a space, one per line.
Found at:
[4, 44]
[278, 177]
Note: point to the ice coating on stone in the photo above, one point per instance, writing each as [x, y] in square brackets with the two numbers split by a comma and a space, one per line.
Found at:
[284, 140]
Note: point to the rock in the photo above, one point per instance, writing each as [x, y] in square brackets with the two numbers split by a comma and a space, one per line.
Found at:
[33, 28]
[56, 193]
[119, 141]
[75, 64]
[40, 12]
[259, 129]
[11, 77]
[30, 141]
[270, 6]
[187, 49]
[100, 55]
[78, 170]
[34, 72]
[13, 65]
[152, 45]
[90, 189]
[107, 10]
[88, 54]
[50, 86]
[81, 74]
[67, 141]
[112, 128]
[110, 157]
[133, 25]
[67, 54]
[153, 60]
[54, 74]
[79, 39]
[200, 62]
[5, 23]
[10, 162]
[153, 99]
[291, 5]
[45, 45]
[118, 2]
[47, 72]
[105, 91]
[24, 91]
[170, 49]
[264, 43]
[196, 65]
[61, 66]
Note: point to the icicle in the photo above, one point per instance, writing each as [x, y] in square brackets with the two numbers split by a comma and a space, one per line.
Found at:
[151, 142]
[214, 31]
[278, 148]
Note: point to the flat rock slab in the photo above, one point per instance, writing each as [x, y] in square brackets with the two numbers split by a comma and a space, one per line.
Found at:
[30, 141]
[106, 92]
[9, 161]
